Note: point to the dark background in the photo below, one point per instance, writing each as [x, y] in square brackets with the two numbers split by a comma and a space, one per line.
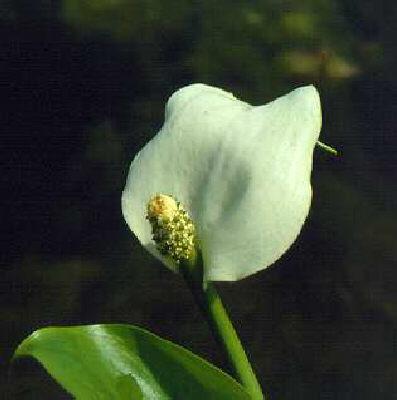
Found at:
[83, 86]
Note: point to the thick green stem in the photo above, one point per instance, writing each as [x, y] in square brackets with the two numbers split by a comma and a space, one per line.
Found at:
[211, 305]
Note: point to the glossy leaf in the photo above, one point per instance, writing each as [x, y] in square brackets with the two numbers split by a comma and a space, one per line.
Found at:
[126, 362]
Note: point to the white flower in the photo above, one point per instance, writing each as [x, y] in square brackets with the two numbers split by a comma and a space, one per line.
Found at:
[241, 172]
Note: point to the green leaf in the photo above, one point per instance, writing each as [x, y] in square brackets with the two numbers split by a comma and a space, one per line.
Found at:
[126, 362]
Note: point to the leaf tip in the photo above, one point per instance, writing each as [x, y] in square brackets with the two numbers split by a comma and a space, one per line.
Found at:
[328, 149]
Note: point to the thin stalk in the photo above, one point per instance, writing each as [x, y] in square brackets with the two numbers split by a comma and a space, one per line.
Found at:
[222, 328]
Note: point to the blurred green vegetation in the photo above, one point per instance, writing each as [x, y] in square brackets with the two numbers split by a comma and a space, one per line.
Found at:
[84, 88]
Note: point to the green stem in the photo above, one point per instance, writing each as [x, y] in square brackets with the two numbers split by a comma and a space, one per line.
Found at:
[211, 306]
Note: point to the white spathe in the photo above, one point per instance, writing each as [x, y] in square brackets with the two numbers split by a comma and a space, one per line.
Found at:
[241, 172]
